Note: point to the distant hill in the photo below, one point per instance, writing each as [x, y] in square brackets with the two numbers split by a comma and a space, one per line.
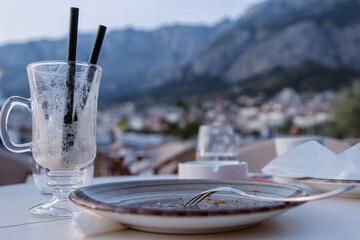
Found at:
[306, 77]
[306, 44]
[285, 33]
[132, 60]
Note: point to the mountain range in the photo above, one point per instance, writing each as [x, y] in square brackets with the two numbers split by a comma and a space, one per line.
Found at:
[132, 60]
[307, 44]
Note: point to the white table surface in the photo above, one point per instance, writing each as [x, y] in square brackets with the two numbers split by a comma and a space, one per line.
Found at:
[335, 218]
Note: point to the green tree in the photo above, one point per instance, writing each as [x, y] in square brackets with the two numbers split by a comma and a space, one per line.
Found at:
[285, 128]
[123, 125]
[181, 104]
[346, 110]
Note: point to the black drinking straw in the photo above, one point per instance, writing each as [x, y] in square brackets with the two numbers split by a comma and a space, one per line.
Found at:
[97, 45]
[90, 74]
[68, 136]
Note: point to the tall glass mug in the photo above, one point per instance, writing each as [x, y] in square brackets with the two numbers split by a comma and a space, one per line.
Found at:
[216, 143]
[61, 144]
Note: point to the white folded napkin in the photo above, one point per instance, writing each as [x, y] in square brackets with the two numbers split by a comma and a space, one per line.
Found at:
[88, 223]
[311, 159]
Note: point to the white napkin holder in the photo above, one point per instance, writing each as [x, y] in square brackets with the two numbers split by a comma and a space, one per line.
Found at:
[311, 159]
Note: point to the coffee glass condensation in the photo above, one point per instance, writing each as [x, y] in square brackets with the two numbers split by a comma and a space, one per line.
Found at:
[63, 148]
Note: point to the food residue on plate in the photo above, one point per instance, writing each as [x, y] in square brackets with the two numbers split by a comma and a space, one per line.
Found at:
[221, 201]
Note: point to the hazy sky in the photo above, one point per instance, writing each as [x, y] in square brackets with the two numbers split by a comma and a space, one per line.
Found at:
[21, 20]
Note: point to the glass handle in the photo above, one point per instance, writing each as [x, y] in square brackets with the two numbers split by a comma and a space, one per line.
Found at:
[4, 117]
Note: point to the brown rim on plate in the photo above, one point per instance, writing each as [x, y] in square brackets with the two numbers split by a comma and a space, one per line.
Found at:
[325, 180]
[88, 197]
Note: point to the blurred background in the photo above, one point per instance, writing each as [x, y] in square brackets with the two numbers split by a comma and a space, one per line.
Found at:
[269, 68]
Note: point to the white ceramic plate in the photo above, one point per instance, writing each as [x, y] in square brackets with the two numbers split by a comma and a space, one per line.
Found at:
[156, 205]
[331, 184]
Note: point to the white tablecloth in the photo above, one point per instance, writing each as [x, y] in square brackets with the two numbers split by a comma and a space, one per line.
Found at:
[336, 218]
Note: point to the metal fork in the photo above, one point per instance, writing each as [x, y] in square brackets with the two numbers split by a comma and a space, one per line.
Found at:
[201, 196]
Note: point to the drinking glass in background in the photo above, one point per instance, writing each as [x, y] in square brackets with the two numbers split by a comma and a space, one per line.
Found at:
[41, 178]
[284, 144]
[216, 143]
